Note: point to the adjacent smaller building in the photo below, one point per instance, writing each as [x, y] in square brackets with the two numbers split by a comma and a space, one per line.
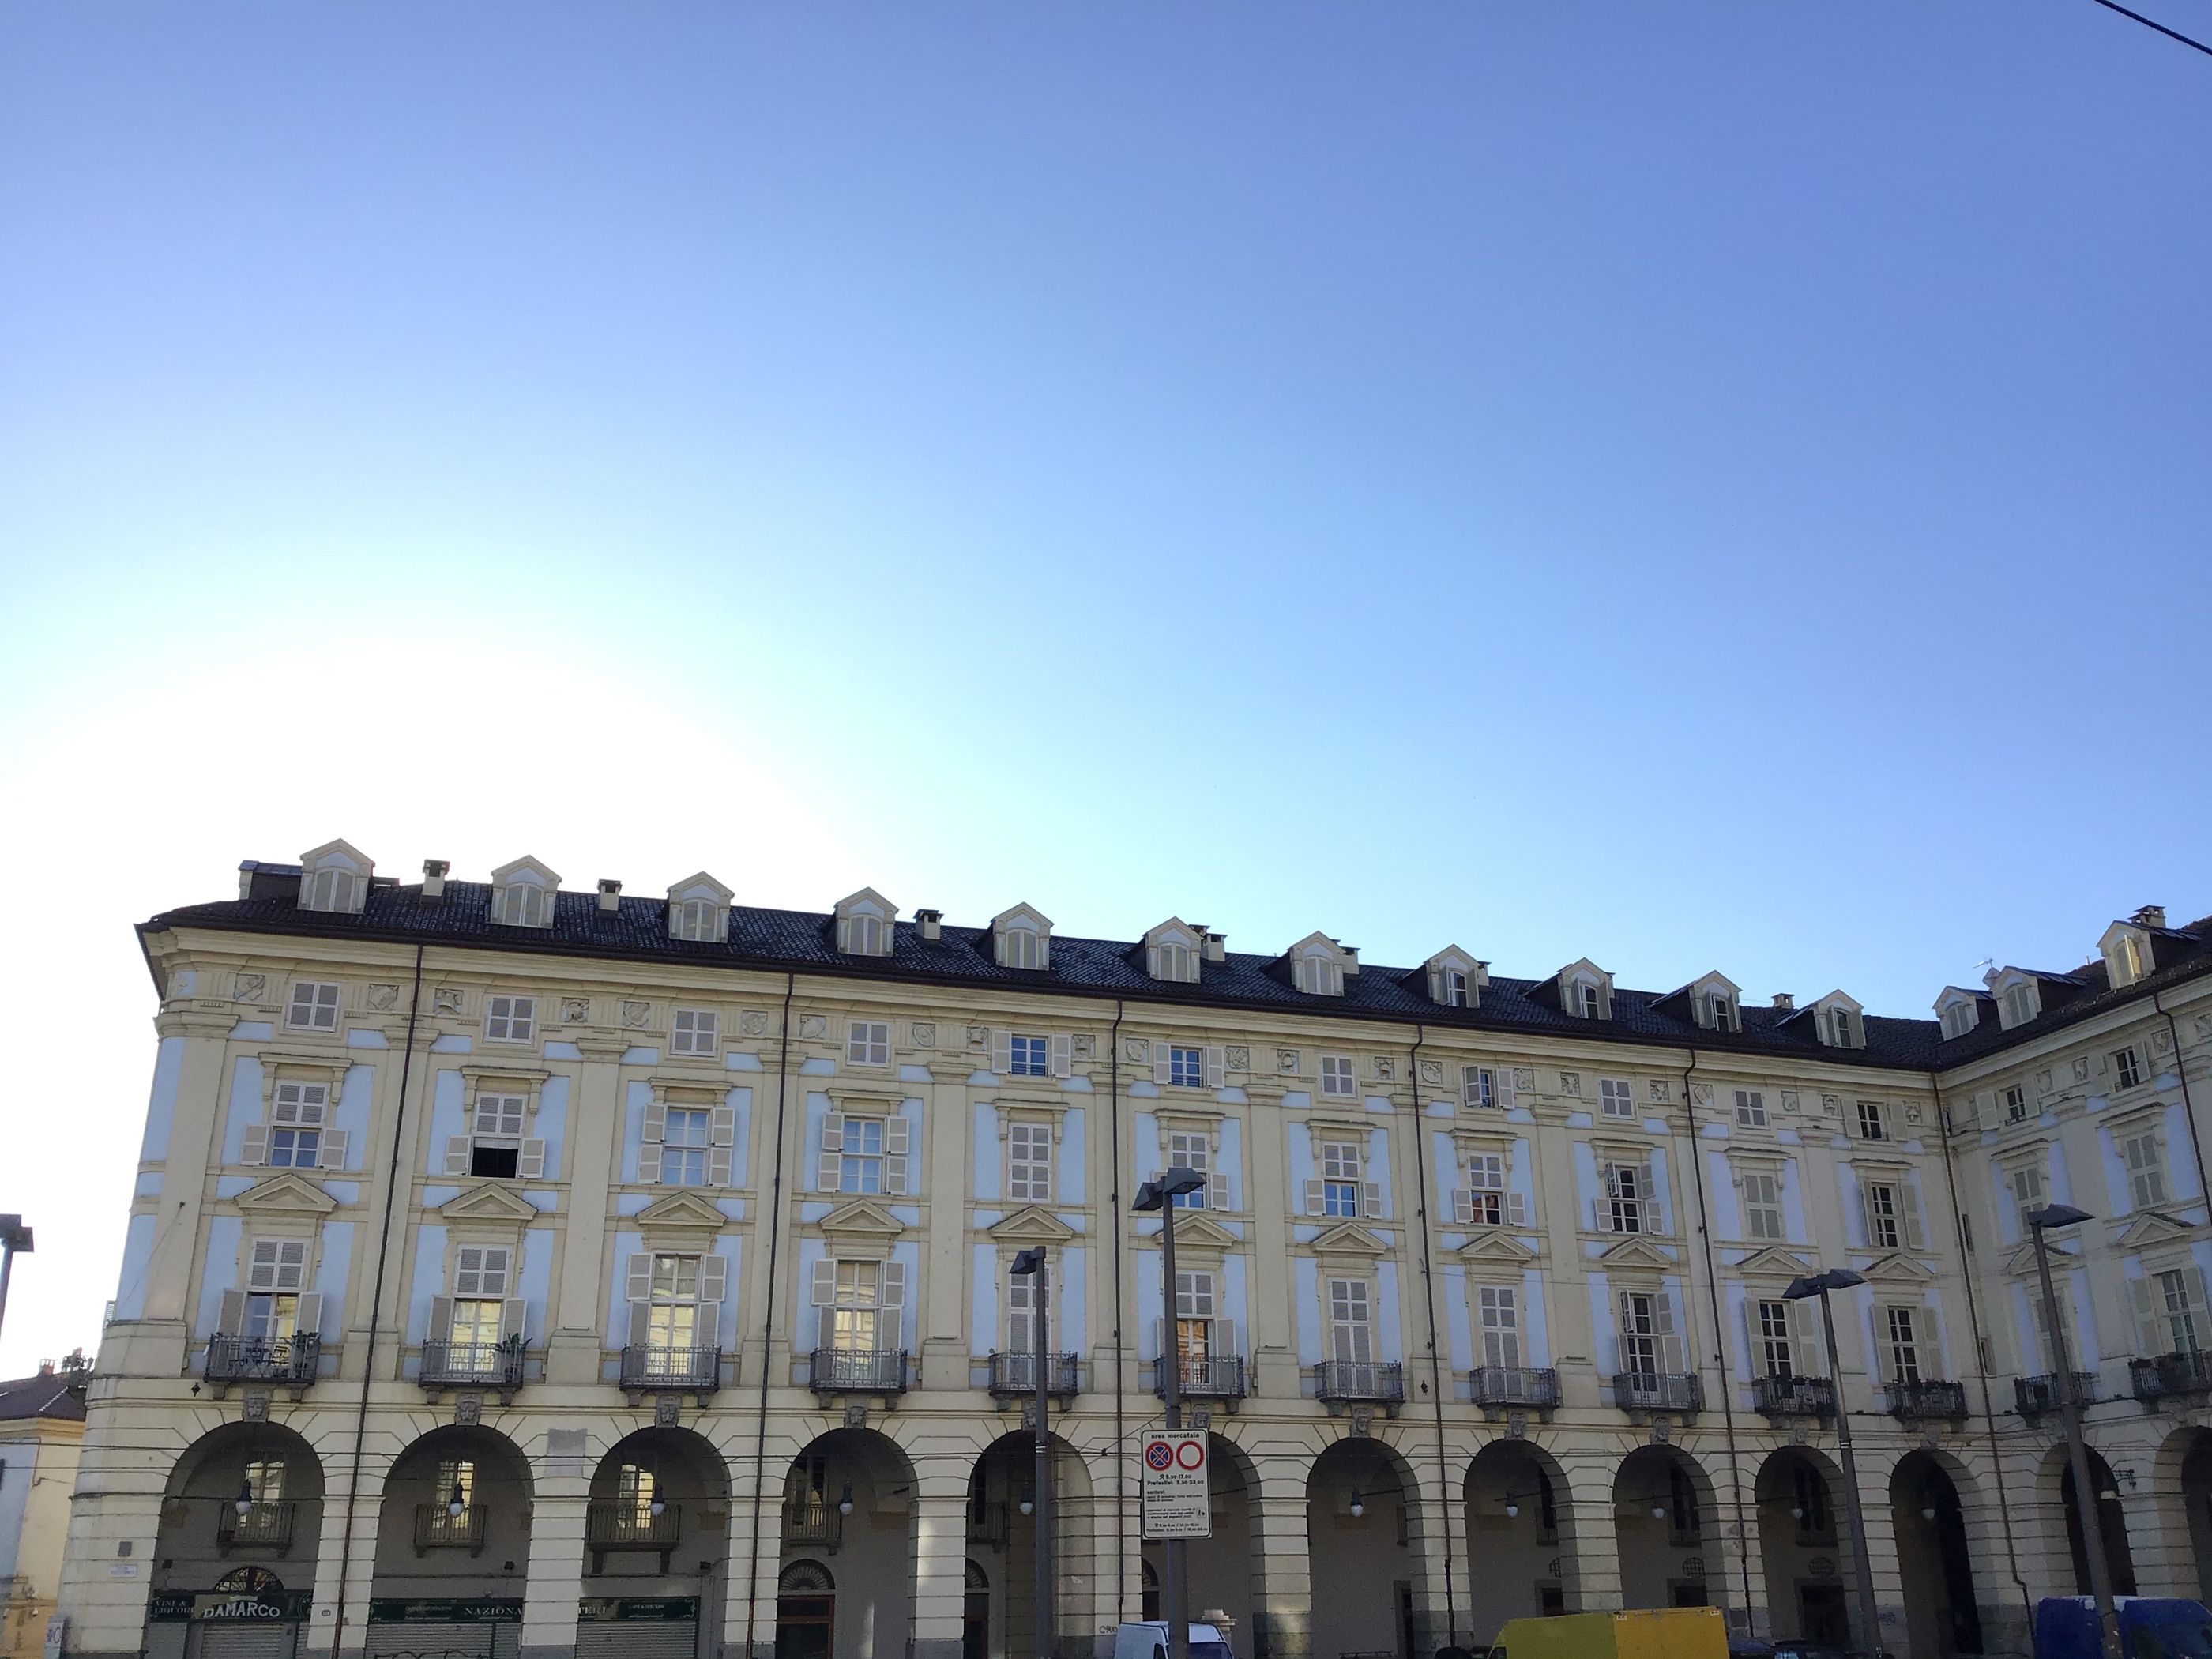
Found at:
[41, 1432]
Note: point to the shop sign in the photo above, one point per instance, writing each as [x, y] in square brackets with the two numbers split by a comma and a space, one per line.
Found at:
[638, 1609]
[446, 1610]
[229, 1606]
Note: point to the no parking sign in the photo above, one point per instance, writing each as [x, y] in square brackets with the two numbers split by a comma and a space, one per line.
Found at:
[1175, 1487]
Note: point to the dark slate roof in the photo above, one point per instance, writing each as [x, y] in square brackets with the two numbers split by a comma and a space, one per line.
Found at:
[57, 1394]
[2176, 954]
[803, 941]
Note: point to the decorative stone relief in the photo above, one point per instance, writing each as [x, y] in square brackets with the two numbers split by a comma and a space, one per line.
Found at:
[1386, 1069]
[1661, 1091]
[383, 998]
[1087, 1046]
[856, 1417]
[2204, 1025]
[753, 1022]
[812, 1028]
[1911, 1111]
[1287, 1062]
[1238, 1057]
[1517, 1424]
[1663, 1430]
[1524, 1077]
[2161, 1041]
[1363, 1420]
[574, 1011]
[923, 1033]
[468, 1410]
[565, 1450]
[1832, 1105]
[255, 1408]
[636, 1013]
[1571, 1083]
[446, 1000]
[1137, 1051]
[249, 988]
[1789, 1102]
[1702, 1094]
[2082, 1069]
[667, 1410]
[1433, 1071]
[979, 1037]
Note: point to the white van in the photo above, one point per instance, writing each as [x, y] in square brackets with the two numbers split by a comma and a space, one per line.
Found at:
[1149, 1640]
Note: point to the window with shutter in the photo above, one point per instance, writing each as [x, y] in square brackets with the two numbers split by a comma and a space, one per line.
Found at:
[1624, 1208]
[1751, 1109]
[1617, 1097]
[897, 1165]
[1193, 1149]
[856, 1310]
[1498, 1308]
[1340, 1161]
[672, 1303]
[2177, 1299]
[1196, 1310]
[1762, 1204]
[697, 921]
[2127, 1068]
[1901, 1326]
[853, 1162]
[1336, 1077]
[510, 1019]
[1775, 1348]
[1029, 1057]
[868, 1043]
[293, 1140]
[694, 1031]
[1639, 1333]
[1187, 1068]
[1475, 1086]
[2015, 1104]
[1871, 1126]
[686, 1140]
[1588, 1000]
[1063, 1055]
[1352, 1330]
[1884, 1230]
[314, 1007]
[1029, 1163]
[1485, 1189]
[2146, 1165]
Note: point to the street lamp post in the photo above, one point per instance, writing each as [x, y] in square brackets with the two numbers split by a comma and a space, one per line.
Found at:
[2086, 1504]
[1030, 1264]
[1161, 1195]
[14, 1237]
[1819, 1285]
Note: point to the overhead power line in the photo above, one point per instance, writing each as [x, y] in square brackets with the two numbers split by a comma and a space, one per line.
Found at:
[2113, 5]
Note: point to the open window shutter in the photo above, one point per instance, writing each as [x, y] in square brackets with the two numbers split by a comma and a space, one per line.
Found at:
[1160, 1338]
[714, 1278]
[1313, 1198]
[441, 1318]
[724, 1138]
[1670, 1339]
[1800, 1339]
[253, 1149]
[529, 1164]
[1627, 1313]
[825, 1282]
[1501, 1087]
[1063, 1055]
[648, 1161]
[893, 1286]
[724, 1126]
[2193, 1276]
[1866, 1220]
[718, 1166]
[1915, 1236]
[1225, 1338]
[1516, 1209]
[512, 1312]
[1002, 1052]
[638, 1277]
[895, 1165]
[1217, 1067]
[1370, 1199]
[457, 1155]
[307, 1317]
[230, 1318]
[1216, 1190]
[1649, 1195]
[656, 1121]
[832, 1142]
[1462, 1207]
[641, 1324]
[2150, 1339]
[334, 1149]
[1162, 1059]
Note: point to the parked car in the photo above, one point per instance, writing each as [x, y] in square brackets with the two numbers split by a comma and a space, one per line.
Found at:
[1149, 1640]
[2151, 1627]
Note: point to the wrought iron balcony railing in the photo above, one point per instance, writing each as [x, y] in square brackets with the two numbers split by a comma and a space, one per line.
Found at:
[287, 1360]
[262, 1526]
[1927, 1400]
[812, 1523]
[1360, 1381]
[2034, 1395]
[1536, 1387]
[693, 1370]
[1657, 1391]
[1017, 1374]
[1202, 1379]
[858, 1370]
[437, 1527]
[615, 1523]
[1794, 1396]
[473, 1364]
[2170, 1374]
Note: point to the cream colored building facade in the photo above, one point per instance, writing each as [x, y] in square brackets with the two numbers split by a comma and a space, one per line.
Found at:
[518, 1271]
[41, 1432]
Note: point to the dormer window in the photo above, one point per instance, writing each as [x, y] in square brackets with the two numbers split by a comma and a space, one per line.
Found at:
[1319, 964]
[2127, 950]
[1837, 1022]
[865, 924]
[2017, 1003]
[335, 877]
[1843, 1031]
[1589, 1001]
[699, 910]
[1171, 952]
[1455, 979]
[1721, 1011]
[1585, 991]
[1022, 937]
[1958, 1011]
[522, 894]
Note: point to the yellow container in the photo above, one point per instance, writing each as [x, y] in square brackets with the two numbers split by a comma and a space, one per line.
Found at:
[1655, 1633]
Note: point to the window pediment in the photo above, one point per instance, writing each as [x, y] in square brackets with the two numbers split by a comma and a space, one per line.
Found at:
[1635, 1253]
[1896, 1269]
[1347, 1239]
[1195, 1232]
[286, 1192]
[491, 1201]
[1494, 1246]
[861, 1229]
[2153, 1228]
[1773, 1262]
[683, 1209]
[1034, 1225]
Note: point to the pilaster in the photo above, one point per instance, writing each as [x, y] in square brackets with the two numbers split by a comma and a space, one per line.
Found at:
[941, 1603]
[575, 1346]
[555, 1582]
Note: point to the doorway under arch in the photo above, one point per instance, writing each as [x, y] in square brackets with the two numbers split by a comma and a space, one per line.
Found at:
[1804, 1547]
[1664, 1520]
[1361, 1536]
[1941, 1615]
[805, 1611]
[1518, 1527]
[849, 1500]
[453, 1547]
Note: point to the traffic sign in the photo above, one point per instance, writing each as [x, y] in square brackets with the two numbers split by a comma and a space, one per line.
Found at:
[1176, 1503]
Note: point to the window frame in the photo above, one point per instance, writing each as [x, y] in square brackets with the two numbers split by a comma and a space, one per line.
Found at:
[1340, 1077]
[695, 1032]
[510, 1017]
[316, 1005]
[873, 1052]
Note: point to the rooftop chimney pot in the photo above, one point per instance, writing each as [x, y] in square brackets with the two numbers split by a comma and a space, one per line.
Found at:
[610, 894]
[929, 923]
[433, 877]
[2151, 915]
[1217, 948]
[1785, 1000]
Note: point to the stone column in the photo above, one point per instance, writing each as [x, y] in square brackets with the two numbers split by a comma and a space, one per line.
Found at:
[555, 1582]
[2157, 1512]
[1875, 1460]
[575, 1343]
[941, 1556]
[324, 1634]
[752, 1577]
[1282, 1599]
[1590, 1544]
[114, 1522]
[1430, 1508]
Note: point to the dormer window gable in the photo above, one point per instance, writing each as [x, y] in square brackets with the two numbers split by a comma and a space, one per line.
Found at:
[1584, 991]
[522, 894]
[1838, 1021]
[335, 877]
[1174, 950]
[1455, 979]
[1319, 965]
[2023, 995]
[865, 923]
[699, 910]
[1958, 1011]
[1714, 1003]
[2129, 949]
[1022, 937]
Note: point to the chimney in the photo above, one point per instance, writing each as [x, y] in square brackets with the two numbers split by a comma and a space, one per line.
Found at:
[46, 1368]
[433, 877]
[245, 877]
[1216, 947]
[928, 923]
[610, 894]
[2151, 915]
[1785, 1001]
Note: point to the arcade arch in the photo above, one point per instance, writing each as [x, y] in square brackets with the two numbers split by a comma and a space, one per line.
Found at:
[1943, 1616]
[1664, 1520]
[453, 1547]
[241, 1518]
[1520, 1528]
[1362, 1533]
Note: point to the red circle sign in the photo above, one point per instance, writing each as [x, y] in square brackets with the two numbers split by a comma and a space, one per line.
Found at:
[1160, 1453]
[1190, 1454]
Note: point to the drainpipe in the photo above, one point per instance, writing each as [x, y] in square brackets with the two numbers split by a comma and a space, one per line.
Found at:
[1121, 1452]
[376, 1300]
[1974, 1324]
[1720, 1338]
[767, 1316]
[1429, 1296]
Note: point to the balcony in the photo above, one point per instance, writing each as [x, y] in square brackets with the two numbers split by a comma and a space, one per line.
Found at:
[671, 1370]
[262, 1526]
[494, 1365]
[437, 1527]
[625, 1523]
[2034, 1395]
[1360, 1382]
[1640, 1393]
[288, 1362]
[1501, 1388]
[1014, 1376]
[812, 1523]
[1927, 1401]
[2169, 1376]
[1794, 1396]
[1202, 1379]
[857, 1370]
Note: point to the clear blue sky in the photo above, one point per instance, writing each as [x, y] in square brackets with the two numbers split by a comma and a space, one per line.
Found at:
[1692, 485]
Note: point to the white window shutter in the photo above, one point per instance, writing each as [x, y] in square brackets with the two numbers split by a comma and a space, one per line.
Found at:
[333, 1152]
[442, 1319]
[641, 1324]
[896, 1172]
[1225, 1338]
[253, 1149]
[895, 1130]
[714, 1278]
[2193, 1279]
[1162, 1061]
[1501, 1087]
[826, 1173]
[724, 1128]
[1313, 1198]
[1217, 1068]
[893, 1283]
[1216, 1190]
[1627, 1314]
[637, 1276]
[512, 1311]
[648, 1163]
[1462, 1207]
[833, 1132]
[1159, 1338]
[307, 1317]
[1916, 1237]
[1670, 1339]
[1516, 1209]
[2150, 1337]
[529, 1164]
[457, 1155]
[718, 1166]
[1370, 1199]
[1063, 1055]
[656, 1121]
[230, 1317]
[1866, 1220]
[1002, 1052]
[824, 1285]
